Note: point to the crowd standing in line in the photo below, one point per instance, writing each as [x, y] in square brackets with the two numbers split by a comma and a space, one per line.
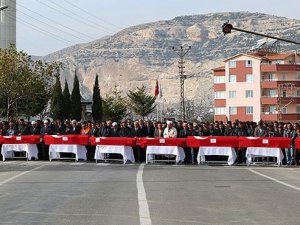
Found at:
[169, 129]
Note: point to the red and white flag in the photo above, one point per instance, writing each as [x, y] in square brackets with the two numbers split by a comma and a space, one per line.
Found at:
[156, 90]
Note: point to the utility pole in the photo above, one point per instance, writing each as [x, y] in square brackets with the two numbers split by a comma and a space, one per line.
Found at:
[181, 52]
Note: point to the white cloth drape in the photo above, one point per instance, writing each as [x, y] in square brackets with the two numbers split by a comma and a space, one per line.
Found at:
[125, 151]
[8, 150]
[253, 152]
[226, 151]
[79, 151]
[165, 150]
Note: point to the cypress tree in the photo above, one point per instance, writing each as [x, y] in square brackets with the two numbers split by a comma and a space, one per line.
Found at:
[76, 100]
[67, 101]
[97, 102]
[57, 101]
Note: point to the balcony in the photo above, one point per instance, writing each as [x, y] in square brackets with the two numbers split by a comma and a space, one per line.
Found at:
[275, 83]
[279, 67]
[290, 117]
[267, 116]
[266, 100]
[269, 84]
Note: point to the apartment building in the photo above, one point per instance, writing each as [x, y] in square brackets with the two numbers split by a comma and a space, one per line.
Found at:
[254, 87]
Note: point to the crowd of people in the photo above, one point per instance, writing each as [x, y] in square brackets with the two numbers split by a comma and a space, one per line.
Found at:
[168, 129]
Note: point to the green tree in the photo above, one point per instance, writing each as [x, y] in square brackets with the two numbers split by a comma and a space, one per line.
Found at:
[97, 102]
[25, 85]
[76, 100]
[57, 102]
[140, 102]
[67, 101]
[114, 106]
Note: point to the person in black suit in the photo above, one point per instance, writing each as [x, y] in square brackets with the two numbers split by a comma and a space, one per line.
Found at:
[60, 127]
[46, 129]
[23, 129]
[139, 153]
[34, 129]
[125, 131]
[149, 129]
[115, 131]
[184, 133]
[106, 130]
[75, 127]
[94, 130]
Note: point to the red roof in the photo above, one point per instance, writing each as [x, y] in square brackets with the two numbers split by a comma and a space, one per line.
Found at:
[279, 56]
[220, 68]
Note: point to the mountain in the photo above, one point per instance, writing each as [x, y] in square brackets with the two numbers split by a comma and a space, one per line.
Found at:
[141, 54]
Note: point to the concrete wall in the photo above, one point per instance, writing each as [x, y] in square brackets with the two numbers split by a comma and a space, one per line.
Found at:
[8, 23]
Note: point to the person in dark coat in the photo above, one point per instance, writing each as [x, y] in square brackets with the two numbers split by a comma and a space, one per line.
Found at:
[184, 133]
[149, 129]
[75, 128]
[12, 129]
[34, 129]
[46, 129]
[139, 153]
[125, 131]
[106, 130]
[60, 127]
[23, 129]
[115, 131]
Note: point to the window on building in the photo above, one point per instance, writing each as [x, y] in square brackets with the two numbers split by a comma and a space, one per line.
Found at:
[283, 77]
[298, 108]
[232, 110]
[249, 78]
[249, 110]
[220, 95]
[232, 64]
[248, 63]
[220, 111]
[284, 110]
[272, 93]
[272, 109]
[298, 76]
[219, 79]
[249, 93]
[232, 78]
[271, 76]
[284, 94]
[298, 92]
[232, 94]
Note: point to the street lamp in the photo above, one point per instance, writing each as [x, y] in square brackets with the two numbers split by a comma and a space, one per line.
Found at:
[227, 27]
[3, 7]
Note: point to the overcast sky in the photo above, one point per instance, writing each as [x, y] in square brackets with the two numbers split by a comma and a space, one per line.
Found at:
[45, 26]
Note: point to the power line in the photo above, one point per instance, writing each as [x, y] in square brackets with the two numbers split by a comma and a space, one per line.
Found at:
[47, 24]
[83, 18]
[40, 29]
[83, 21]
[90, 14]
[69, 28]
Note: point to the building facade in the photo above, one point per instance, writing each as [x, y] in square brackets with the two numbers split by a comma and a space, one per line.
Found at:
[8, 23]
[251, 87]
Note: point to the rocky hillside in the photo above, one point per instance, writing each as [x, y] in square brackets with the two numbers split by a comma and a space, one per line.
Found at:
[141, 54]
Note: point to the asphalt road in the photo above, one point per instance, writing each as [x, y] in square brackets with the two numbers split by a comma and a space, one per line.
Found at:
[70, 193]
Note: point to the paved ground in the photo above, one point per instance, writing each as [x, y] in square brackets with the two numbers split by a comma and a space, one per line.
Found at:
[88, 193]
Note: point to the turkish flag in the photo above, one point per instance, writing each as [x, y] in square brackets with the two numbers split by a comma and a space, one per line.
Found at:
[156, 90]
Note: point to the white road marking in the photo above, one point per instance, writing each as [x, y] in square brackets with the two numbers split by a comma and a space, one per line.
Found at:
[275, 180]
[20, 174]
[142, 199]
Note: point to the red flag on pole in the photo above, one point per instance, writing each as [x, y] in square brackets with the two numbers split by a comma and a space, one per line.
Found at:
[156, 90]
